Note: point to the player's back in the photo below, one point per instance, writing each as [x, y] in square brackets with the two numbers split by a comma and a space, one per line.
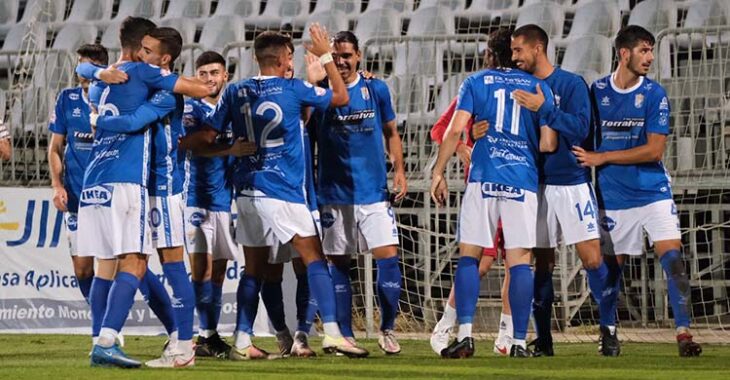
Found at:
[166, 176]
[508, 154]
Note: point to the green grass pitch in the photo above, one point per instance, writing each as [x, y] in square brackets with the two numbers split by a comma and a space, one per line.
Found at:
[65, 357]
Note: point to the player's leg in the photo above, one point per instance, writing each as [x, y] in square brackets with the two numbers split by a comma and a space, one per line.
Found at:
[542, 304]
[201, 271]
[306, 309]
[340, 238]
[504, 340]
[99, 294]
[158, 299]
[273, 298]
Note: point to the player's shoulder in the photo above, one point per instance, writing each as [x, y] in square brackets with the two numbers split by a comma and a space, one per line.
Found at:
[601, 84]
[653, 88]
[569, 77]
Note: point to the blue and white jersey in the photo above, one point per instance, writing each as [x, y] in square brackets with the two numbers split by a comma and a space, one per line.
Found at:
[70, 118]
[572, 120]
[163, 112]
[124, 157]
[507, 155]
[208, 182]
[351, 153]
[623, 121]
[267, 110]
[309, 175]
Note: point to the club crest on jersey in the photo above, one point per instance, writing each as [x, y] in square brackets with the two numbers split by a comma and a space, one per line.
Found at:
[638, 100]
[503, 192]
[605, 101]
[488, 79]
[320, 91]
[97, 196]
[73, 96]
[327, 219]
[72, 222]
[365, 93]
[188, 108]
[608, 224]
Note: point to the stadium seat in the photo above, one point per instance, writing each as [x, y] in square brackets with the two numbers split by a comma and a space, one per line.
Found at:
[449, 90]
[44, 11]
[14, 39]
[90, 10]
[588, 56]
[624, 6]
[654, 15]
[282, 12]
[219, 31]
[300, 65]
[350, 7]
[431, 21]
[701, 14]
[185, 26]
[243, 8]
[484, 10]
[187, 9]
[9, 12]
[544, 14]
[110, 38]
[596, 17]
[454, 5]
[333, 20]
[402, 6]
[73, 35]
[3, 104]
[247, 66]
[139, 8]
[382, 22]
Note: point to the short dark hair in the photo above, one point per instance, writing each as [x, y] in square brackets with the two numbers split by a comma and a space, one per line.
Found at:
[170, 41]
[532, 33]
[208, 57]
[499, 44]
[267, 47]
[94, 52]
[630, 36]
[132, 30]
[348, 37]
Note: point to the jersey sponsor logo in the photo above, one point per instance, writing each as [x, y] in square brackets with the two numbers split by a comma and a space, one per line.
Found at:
[502, 192]
[196, 219]
[355, 117]
[73, 96]
[83, 137]
[506, 155]
[625, 124]
[188, 108]
[100, 195]
[72, 222]
[488, 79]
[608, 224]
[605, 101]
[638, 100]
[327, 219]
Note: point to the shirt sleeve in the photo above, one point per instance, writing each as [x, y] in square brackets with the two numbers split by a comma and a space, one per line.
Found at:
[385, 104]
[311, 95]
[157, 78]
[657, 112]
[87, 70]
[192, 118]
[156, 108]
[57, 123]
[220, 117]
[548, 106]
[465, 101]
[574, 120]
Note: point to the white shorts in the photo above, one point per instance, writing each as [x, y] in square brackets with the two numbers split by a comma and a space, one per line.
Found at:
[358, 228]
[484, 204]
[264, 221]
[72, 225]
[283, 253]
[210, 232]
[113, 221]
[621, 230]
[167, 221]
[570, 211]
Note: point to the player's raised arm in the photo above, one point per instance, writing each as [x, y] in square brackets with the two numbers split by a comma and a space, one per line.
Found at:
[156, 108]
[320, 47]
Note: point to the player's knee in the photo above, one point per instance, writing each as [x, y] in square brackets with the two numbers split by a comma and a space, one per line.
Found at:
[339, 261]
[592, 262]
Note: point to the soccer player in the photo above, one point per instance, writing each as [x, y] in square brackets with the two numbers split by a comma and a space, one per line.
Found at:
[160, 47]
[566, 205]
[114, 202]
[635, 193]
[442, 330]
[272, 203]
[503, 184]
[353, 188]
[68, 155]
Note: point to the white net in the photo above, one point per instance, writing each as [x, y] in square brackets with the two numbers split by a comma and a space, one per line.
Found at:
[423, 49]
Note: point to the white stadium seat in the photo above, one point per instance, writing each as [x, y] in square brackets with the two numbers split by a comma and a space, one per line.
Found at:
[44, 11]
[588, 56]
[402, 6]
[454, 5]
[90, 10]
[282, 12]
[14, 39]
[334, 21]
[219, 31]
[187, 9]
[9, 12]
[701, 14]
[382, 22]
[350, 7]
[654, 15]
[596, 17]
[110, 38]
[185, 26]
[139, 8]
[545, 15]
[243, 8]
[488, 9]
[431, 21]
[73, 35]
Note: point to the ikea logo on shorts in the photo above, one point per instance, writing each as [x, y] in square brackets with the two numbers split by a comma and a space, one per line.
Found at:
[608, 224]
[327, 219]
[196, 219]
[97, 196]
[503, 192]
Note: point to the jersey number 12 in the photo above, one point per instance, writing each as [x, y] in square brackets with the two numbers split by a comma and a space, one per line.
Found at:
[264, 141]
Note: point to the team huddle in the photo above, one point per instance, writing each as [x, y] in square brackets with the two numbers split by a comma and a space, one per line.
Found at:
[137, 168]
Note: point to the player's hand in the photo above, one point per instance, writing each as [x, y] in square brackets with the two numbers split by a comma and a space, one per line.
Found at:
[320, 40]
[93, 118]
[588, 159]
[464, 153]
[241, 148]
[60, 198]
[112, 75]
[479, 130]
[366, 74]
[439, 189]
[400, 185]
[528, 100]
[315, 70]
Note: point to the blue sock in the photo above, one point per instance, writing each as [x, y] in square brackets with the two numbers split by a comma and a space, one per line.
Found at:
[182, 291]
[521, 288]
[466, 288]
[215, 311]
[597, 280]
[304, 321]
[203, 302]
[389, 284]
[120, 300]
[98, 296]
[85, 287]
[677, 286]
[542, 305]
[323, 290]
[609, 297]
[248, 302]
[343, 297]
[274, 301]
[156, 296]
